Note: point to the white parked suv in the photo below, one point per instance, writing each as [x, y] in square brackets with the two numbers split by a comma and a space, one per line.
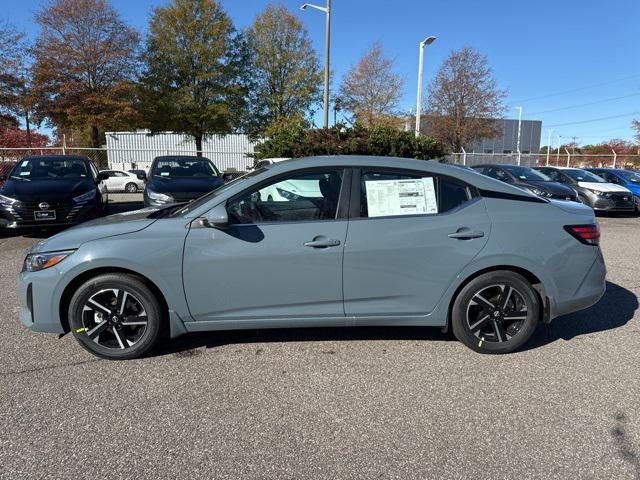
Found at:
[121, 181]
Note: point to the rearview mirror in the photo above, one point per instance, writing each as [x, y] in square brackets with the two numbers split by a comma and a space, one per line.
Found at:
[217, 217]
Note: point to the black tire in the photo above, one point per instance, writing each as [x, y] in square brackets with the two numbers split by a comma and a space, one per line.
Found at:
[131, 188]
[113, 339]
[500, 332]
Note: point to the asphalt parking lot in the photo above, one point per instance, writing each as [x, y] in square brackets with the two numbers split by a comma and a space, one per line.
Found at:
[331, 403]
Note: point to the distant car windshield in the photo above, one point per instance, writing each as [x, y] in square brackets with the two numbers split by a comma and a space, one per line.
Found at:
[584, 176]
[214, 193]
[526, 173]
[630, 176]
[50, 169]
[184, 167]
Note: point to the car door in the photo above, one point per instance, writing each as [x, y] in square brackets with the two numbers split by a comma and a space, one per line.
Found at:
[279, 260]
[399, 263]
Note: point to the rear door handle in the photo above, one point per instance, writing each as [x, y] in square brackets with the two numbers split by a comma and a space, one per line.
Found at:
[322, 242]
[466, 234]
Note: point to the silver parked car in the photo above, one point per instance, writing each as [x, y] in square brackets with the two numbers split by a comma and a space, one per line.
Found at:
[379, 241]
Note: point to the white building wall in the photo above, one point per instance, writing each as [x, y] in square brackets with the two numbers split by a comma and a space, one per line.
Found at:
[228, 152]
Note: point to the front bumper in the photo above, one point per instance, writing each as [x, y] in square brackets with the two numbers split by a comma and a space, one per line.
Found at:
[39, 300]
[616, 203]
[66, 214]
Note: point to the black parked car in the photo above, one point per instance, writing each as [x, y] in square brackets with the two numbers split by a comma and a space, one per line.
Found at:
[529, 179]
[51, 190]
[178, 179]
[592, 189]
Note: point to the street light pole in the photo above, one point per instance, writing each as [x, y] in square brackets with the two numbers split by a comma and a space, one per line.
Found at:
[558, 154]
[549, 145]
[519, 131]
[327, 43]
[424, 43]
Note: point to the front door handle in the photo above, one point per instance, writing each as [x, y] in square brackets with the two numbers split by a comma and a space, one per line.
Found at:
[466, 234]
[322, 242]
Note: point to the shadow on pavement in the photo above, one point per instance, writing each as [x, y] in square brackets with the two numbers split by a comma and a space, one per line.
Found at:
[624, 444]
[614, 310]
[616, 307]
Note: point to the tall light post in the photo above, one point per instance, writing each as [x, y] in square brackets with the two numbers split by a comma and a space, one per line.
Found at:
[325, 98]
[549, 145]
[558, 154]
[424, 43]
[519, 132]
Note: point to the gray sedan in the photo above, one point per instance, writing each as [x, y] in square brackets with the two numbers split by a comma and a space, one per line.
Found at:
[348, 241]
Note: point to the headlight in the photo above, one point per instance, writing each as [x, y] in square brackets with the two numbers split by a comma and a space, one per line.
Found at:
[288, 195]
[85, 197]
[159, 197]
[8, 201]
[39, 261]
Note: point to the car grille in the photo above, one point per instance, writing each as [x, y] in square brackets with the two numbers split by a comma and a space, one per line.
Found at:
[65, 212]
[619, 199]
[186, 196]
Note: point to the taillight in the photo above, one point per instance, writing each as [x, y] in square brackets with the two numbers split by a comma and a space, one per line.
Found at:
[587, 234]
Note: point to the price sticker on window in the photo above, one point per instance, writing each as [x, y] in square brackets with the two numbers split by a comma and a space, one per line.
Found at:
[401, 197]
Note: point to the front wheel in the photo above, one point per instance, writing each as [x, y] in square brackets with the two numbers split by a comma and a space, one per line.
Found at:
[115, 316]
[496, 312]
[131, 188]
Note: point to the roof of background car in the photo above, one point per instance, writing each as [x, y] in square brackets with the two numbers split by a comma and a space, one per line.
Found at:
[431, 166]
[55, 157]
[180, 157]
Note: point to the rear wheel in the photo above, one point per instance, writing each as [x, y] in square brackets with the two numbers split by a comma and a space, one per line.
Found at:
[115, 316]
[131, 188]
[496, 312]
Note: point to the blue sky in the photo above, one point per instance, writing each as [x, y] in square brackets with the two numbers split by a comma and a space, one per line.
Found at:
[563, 61]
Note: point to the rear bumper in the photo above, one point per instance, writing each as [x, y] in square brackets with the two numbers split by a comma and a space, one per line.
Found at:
[588, 292]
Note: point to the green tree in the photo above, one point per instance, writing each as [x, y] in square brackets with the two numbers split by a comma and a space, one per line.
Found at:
[286, 77]
[296, 140]
[85, 64]
[195, 73]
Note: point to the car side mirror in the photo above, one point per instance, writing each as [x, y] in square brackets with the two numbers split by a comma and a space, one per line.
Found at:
[217, 217]
[3, 177]
[102, 176]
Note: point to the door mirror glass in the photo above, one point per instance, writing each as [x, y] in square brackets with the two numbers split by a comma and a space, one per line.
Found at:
[217, 217]
[3, 177]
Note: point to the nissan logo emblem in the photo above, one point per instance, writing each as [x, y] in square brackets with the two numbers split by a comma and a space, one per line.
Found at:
[43, 206]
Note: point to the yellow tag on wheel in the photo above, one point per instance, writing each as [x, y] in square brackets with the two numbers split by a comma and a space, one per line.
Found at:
[81, 330]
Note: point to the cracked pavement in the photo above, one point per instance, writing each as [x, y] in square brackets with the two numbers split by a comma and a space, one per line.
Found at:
[332, 403]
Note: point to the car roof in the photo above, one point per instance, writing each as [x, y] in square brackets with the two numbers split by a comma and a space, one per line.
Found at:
[180, 157]
[431, 166]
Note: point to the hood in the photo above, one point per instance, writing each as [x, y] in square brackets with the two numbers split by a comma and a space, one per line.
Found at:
[104, 227]
[553, 188]
[47, 190]
[603, 187]
[182, 185]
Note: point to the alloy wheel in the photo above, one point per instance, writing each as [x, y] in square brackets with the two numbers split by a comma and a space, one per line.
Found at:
[114, 318]
[496, 313]
[131, 188]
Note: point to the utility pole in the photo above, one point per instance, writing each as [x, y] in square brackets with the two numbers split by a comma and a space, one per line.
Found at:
[327, 43]
[549, 145]
[424, 43]
[519, 132]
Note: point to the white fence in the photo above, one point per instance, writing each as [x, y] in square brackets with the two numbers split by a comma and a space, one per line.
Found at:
[126, 159]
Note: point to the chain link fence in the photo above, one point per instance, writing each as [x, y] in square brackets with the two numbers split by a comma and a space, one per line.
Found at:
[578, 160]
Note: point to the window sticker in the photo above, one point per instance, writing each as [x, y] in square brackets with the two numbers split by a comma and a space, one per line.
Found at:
[401, 197]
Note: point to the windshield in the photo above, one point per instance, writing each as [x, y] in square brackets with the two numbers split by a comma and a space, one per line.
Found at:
[526, 173]
[584, 176]
[214, 193]
[50, 169]
[184, 167]
[630, 176]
